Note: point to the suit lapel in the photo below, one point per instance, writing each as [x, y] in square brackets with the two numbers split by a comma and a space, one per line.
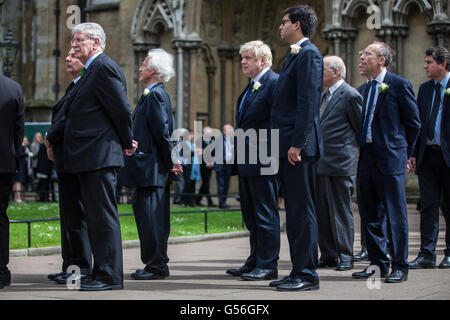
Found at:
[73, 93]
[238, 103]
[291, 58]
[252, 96]
[381, 96]
[445, 106]
[334, 100]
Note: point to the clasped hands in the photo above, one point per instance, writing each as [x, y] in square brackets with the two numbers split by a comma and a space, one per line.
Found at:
[294, 156]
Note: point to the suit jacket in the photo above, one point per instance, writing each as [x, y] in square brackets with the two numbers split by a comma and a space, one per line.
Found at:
[424, 99]
[295, 109]
[255, 115]
[341, 130]
[395, 126]
[153, 124]
[11, 124]
[98, 119]
[56, 132]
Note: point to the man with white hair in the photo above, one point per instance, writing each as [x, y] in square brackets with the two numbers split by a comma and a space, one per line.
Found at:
[148, 170]
[340, 120]
[258, 191]
[97, 133]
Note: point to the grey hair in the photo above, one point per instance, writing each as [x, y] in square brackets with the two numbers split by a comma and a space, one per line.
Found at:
[336, 63]
[162, 62]
[384, 51]
[260, 50]
[93, 31]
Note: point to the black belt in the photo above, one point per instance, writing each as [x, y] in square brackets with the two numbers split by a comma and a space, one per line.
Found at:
[435, 147]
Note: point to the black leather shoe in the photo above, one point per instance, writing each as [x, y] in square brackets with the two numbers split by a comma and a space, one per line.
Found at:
[298, 285]
[260, 274]
[365, 274]
[325, 263]
[422, 263]
[146, 275]
[445, 264]
[344, 265]
[397, 276]
[62, 279]
[239, 272]
[52, 276]
[361, 256]
[96, 285]
[5, 278]
[282, 281]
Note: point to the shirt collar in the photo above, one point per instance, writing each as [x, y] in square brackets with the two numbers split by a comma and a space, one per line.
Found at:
[444, 81]
[88, 63]
[335, 86]
[259, 76]
[152, 85]
[76, 79]
[301, 41]
[381, 76]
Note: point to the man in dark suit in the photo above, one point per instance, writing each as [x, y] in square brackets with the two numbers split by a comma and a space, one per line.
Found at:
[340, 120]
[149, 168]
[295, 113]
[11, 133]
[224, 166]
[391, 126]
[258, 191]
[432, 157]
[205, 171]
[97, 133]
[75, 248]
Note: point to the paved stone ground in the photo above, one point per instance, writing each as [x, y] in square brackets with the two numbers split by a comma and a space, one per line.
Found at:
[198, 273]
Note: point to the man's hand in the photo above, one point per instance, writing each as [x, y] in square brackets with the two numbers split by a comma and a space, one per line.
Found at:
[48, 144]
[177, 169]
[294, 155]
[411, 165]
[130, 152]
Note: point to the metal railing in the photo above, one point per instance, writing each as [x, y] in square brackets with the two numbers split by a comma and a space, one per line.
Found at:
[205, 212]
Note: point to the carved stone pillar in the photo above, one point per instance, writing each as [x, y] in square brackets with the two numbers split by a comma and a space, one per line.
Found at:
[210, 71]
[225, 53]
[393, 36]
[186, 74]
[439, 27]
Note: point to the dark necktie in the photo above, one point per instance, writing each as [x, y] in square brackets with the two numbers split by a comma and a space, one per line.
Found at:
[365, 128]
[247, 92]
[434, 112]
[324, 102]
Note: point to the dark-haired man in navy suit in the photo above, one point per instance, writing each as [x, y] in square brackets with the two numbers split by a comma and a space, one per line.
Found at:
[258, 189]
[295, 113]
[432, 157]
[390, 129]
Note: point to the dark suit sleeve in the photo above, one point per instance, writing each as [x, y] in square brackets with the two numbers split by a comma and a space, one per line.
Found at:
[158, 122]
[410, 115]
[19, 130]
[309, 85]
[112, 92]
[56, 133]
[354, 113]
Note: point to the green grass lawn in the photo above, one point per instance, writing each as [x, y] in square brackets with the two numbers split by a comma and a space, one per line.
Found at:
[46, 234]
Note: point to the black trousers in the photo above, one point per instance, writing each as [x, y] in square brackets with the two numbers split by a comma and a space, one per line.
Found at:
[223, 183]
[204, 188]
[259, 205]
[434, 184]
[301, 220]
[151, 208]
[98, 195]
[6, 184]
[75, 247]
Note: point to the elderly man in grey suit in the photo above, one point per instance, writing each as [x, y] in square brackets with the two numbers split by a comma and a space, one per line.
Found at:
[340, 119]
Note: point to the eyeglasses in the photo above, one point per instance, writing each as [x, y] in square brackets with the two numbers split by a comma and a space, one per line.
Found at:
[283, 22]
[78, 40]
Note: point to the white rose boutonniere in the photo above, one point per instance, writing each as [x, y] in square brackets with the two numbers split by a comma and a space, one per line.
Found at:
[146, 92]
[256, 86]
[383, 88]
[295, 49]
[447, 92]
